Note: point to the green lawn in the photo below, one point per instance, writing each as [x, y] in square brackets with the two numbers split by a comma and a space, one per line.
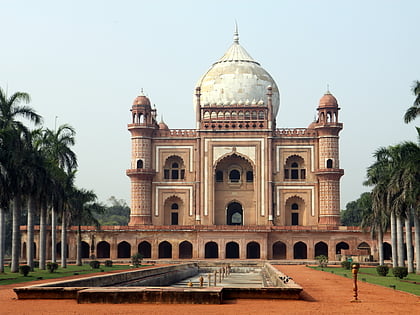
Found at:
[9, 278]
[410, 284]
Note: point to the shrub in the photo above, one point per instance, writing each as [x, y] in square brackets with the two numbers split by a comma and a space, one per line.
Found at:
[382, 270]
[36, 264]
[52, 266]
[400, 272]
[322, 260]
[346, 264]
[136, 260]
[108, 263]
[24, 270]
[94, 264]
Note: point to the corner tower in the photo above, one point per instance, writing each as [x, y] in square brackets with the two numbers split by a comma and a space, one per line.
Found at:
[328, 172]
[141, 172]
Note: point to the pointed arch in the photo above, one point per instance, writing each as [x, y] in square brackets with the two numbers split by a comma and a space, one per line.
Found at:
[145, 249]
[165, 249]
[211, 250]
[185, 250]
[321, 248]
[279, 250]
[253, 250]
[300, 250]
[123, 250]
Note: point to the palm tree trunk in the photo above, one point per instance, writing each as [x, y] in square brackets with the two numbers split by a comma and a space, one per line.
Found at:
[42, 237]
[381, 246]
[394, 241]
[53, 234]
[79, 247]
[2, 238]
[63, 240]
[409, 243]
[417, 242]
[30, 233]
[15, 235]
[400, 241]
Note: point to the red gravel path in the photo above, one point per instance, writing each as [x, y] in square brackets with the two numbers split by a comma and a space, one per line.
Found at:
[324, 293]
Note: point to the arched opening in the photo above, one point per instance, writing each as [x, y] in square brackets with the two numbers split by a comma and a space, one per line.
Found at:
[211, 250]
[364, 246]
[145, 249]
[294, 168]
[24, 250]
[173, 210]
[174, 214]
[279, 250]
[321, 248]
[234, 214]
[232, 250]
[139, 163]
[329, 163]
[340, 246]
[249, 176]
[300, 251]
[252, 250]
[124, 250]
[165, 250]
[174, 168]
[387, 251]
[234, 176]
[58, 249]
[85, 252]
[295, 211]
[103, 250]
[185, 250]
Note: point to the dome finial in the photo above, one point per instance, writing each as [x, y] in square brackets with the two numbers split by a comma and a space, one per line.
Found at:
[236, 34]
[328, 89]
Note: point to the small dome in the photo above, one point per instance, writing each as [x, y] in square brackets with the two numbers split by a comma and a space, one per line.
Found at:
[141, 99]
[328, 100]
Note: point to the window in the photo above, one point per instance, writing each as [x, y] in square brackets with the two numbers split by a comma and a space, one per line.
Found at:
[234, 176]
[329, 163]
[294, 168]
[249, 176]
[219, 176]
[174, 218]
[295, 218]
[174, 169]
[140, 164]
[174, 206]
[295, 206]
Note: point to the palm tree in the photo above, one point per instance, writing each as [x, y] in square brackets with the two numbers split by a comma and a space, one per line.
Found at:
[10, 112]
[83, 205]
[414, 110]
[56, 147]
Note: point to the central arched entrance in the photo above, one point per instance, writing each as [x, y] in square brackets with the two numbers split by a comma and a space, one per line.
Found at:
[234, 214]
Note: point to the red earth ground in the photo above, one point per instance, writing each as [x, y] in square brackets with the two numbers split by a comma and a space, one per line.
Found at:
[324, 293]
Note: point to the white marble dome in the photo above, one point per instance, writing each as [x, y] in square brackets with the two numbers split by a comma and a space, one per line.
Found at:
[237, 78]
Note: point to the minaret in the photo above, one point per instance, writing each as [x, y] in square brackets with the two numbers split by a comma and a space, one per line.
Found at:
[328, 172]
[141, 173]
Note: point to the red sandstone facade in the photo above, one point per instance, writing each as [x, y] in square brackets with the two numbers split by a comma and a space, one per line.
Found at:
[237, 186]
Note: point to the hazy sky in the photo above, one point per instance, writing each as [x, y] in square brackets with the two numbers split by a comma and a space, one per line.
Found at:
[85, 62]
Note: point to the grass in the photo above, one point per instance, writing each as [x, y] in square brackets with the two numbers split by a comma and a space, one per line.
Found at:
[410, 284]
[10, 278]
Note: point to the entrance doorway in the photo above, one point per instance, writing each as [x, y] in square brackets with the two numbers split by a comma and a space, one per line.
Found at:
[234, 214]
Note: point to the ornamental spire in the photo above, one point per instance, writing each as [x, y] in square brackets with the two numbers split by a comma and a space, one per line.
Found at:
[236, 34]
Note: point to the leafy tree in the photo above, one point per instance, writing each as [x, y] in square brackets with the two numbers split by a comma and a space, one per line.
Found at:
[117, 213]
